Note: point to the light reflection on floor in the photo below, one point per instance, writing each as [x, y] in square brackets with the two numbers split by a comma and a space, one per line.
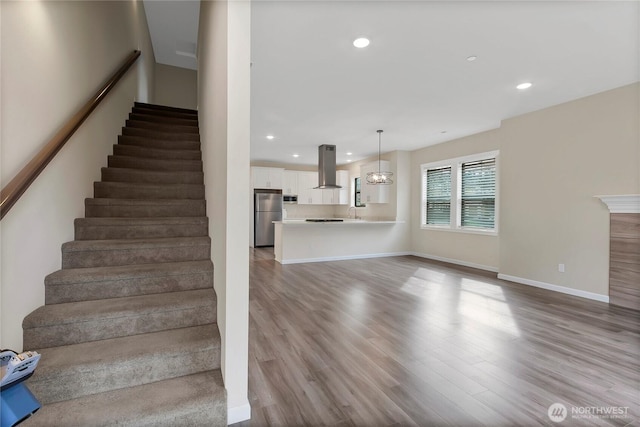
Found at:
[477, 301]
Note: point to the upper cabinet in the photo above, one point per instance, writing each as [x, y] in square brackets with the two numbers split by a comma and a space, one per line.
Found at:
[267, 177]
[338, 196]
[307, 194]
[371, 193]
[302, 184]
[290, 183]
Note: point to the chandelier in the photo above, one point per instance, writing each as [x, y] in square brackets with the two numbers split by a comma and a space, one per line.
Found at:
[379, 177]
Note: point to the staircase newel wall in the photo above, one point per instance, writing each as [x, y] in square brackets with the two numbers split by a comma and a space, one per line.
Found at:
[54, 56]
[224, 111]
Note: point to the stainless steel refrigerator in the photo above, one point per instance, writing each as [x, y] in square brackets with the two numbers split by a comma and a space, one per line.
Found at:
[268, 208]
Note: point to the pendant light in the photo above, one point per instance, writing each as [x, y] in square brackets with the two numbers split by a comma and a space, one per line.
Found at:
[379, 177]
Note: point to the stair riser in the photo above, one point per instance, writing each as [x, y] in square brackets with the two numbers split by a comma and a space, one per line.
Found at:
[195, 400]
[105, 232]
[100, 329]
[140, 141]
[157, 127]
[152, 164]
[150, 153]
[150, 177]
[173, 110]
[163, 120]
[87, 291]
[159, 113]
[113, 375]
[137, 191]
[190, 208]
[170, 136]
[105, 258]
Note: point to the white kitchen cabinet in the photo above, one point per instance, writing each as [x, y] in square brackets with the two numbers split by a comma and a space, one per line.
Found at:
[330, 197]
[262, 177]
[290, 183]
[338, 196]
[307, 194]
[371, 193]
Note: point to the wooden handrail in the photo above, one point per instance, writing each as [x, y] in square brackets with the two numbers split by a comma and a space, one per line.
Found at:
[19, 184]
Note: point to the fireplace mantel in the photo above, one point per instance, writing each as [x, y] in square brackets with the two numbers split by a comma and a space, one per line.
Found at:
[624, 250]
[626, 203]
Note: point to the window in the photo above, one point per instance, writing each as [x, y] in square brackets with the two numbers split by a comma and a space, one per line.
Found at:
[461, 194]
[438, 197]
[478, 195]
[357, 200]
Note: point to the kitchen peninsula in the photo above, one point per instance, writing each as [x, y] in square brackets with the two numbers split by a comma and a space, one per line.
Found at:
[317, 240]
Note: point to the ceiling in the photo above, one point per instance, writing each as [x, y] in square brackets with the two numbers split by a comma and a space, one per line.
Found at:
[173, 26]
[311, 86]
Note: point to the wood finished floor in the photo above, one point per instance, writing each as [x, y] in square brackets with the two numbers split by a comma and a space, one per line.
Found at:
[405, 341]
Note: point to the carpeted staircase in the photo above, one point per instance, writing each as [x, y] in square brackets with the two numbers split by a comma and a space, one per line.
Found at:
[128, 335]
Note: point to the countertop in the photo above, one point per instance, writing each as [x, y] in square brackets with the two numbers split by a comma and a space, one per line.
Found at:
[346, 221]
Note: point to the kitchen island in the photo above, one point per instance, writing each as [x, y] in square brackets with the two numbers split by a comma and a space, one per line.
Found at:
[299, 240]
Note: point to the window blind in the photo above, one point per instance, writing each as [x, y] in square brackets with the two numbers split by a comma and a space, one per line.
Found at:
[478, 198]
[438, 196]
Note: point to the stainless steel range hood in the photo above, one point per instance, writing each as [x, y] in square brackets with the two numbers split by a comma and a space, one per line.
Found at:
[327, 166]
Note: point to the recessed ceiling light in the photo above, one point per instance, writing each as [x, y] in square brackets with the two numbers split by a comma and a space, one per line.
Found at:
[444, 131]
[270, 136]
[361, 42]
[471, 58]
[296, 155]
[525, 85]
[349, 160]
[348, 154]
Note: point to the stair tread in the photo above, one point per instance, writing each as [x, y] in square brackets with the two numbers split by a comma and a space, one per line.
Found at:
[124, 244]
[143, 163]
[155, 152]
[121, 272]
[164, 127]
[77, 370]
[166, 108]
[152, 172]
[102, 207]
[143, 221]
[145, 184]
[198, 399]
[85, 311]
[82, 357]
[159, 161]
[104, 201]
[158, 144]
[160, 134]
[163, 119]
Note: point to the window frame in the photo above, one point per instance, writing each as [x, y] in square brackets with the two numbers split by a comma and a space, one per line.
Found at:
[456, 194]
[356, 192]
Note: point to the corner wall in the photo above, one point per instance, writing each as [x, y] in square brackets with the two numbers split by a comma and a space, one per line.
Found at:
[224, 53]
[55, 55]
[464, 248]
[177, 87]
[553, 162]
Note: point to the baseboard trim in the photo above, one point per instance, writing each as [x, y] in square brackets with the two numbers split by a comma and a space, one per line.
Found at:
[456, 261]
[556, 288]
[343, 258]
[240, 413]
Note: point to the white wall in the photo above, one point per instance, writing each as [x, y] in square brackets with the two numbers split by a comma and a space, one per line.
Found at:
[177, 87]
[224, 113]
[470, 249]
[553, 162]
[55, 55]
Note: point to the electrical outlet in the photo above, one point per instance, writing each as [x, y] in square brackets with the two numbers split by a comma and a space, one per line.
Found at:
[561, 268]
